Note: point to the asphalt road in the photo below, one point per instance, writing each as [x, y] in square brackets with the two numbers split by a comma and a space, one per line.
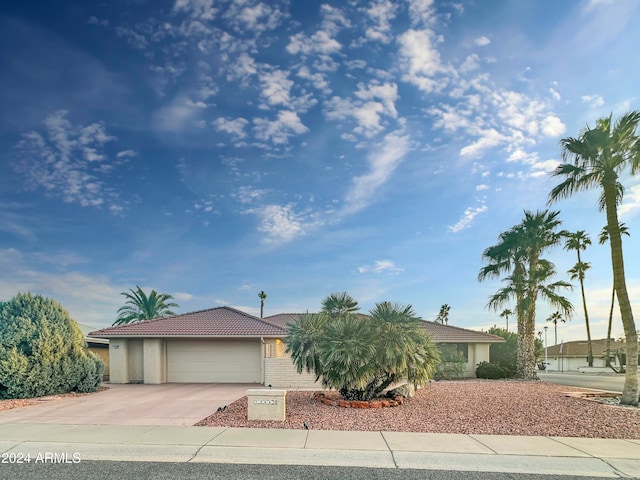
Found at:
[612, 383]
[92, 470]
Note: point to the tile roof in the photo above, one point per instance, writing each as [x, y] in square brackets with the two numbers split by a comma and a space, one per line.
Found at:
[450, 334]
[580, 348]
[440, 333]
[215, 322]
[229, 322]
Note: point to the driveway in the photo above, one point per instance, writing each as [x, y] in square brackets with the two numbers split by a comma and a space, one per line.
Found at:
[166, 404]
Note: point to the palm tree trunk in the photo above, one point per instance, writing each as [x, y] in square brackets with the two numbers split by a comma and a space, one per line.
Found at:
[608, 346]
[630, 389]
[586, 316]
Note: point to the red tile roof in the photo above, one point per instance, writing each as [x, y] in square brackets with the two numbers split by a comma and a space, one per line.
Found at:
[440, 333]
[229, 322]
[215, 322]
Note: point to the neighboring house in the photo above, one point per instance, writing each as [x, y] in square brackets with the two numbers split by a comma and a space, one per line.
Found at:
[225, 345]
[572, 356]
[99, 346]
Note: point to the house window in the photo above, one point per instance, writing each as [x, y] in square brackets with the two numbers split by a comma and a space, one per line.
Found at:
[274, 349]
[449, 350]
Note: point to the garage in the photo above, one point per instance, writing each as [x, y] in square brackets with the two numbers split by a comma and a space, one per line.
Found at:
[214, 361]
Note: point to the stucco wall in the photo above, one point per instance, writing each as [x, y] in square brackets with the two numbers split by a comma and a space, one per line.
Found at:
[154, 362]
[136, 360]
[119, 360]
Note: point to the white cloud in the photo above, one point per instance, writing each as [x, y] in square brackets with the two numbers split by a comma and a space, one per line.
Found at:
[373, 101]
[233, 127]
[279, 223]
[127, 154]
[488, 139]
[594, 101]
[482, 41]
[320, 42]
[68, 161]
[421, 60]
[278, 131]
[467, 217]
[247, 194]
[552, 126]
[381, 266]
[383, 160]
[482, 186]
[381, 12]
[421, 12]
[631, 201]
[276, 87]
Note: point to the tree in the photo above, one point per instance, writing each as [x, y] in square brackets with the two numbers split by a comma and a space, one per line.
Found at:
[361, 356]
[139, 306]
[518, 254]
[602, 239]
[555, 318]
[579, 241]
[339, 304]
[263, 297]
[443, 314]
[596, 159]
[506, 313]
[42, 350]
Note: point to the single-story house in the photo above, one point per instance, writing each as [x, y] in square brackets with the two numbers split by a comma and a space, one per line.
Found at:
[225, 345]
[99, 346]
[572, 356]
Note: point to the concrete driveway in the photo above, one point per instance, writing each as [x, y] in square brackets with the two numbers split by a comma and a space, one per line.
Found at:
[166, 404]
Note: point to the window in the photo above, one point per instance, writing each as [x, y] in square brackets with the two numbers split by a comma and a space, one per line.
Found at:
[458, 349]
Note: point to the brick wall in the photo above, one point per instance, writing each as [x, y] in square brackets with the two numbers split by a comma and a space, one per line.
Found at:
[279, 372]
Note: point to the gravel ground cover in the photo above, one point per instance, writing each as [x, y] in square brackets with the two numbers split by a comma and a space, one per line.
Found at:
[467, 407]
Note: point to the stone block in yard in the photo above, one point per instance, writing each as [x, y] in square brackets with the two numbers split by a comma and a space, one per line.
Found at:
[263, 404]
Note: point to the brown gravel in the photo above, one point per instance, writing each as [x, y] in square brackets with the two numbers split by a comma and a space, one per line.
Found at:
[467, 407]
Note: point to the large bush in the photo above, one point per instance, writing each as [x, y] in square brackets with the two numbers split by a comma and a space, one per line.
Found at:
[360, 355]
[42, 350]
[491, 371]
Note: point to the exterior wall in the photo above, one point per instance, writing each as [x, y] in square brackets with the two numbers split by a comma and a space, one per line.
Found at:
[136, 361]
[281, 373]
[480, 354]
[572, 364]
[119, 360]
[154, 360]
[103, 353]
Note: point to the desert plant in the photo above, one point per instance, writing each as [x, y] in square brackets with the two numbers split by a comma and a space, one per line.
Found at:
[359, 355]
[42, 350]
[491, 371]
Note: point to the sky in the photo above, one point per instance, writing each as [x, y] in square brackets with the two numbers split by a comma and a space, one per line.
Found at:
[211, 149]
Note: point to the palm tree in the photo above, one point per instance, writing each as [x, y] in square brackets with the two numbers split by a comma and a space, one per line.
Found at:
[518, 254]
[139, 306]
[602, 239]
[579, 241]
[443, 314]
[596, 159]
[506, 313]
[556, 317]
[263, 297]
[339, 304]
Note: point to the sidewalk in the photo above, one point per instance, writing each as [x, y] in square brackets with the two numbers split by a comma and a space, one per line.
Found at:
[581, 457]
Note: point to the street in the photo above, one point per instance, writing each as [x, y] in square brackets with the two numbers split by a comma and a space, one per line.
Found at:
[612, 383]
[93, 470]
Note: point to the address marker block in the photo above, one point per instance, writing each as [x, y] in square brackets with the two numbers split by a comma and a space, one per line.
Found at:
[266, 404]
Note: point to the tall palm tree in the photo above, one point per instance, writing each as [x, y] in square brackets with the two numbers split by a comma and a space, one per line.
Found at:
[443, 314]
[602, 239]
[579, 241]
[596, 159]
[506, 313]
[555, 318]
[518, 254]
[263, 297]
[139, 306]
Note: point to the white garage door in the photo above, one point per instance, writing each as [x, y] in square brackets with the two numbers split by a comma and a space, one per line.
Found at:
[213, 361]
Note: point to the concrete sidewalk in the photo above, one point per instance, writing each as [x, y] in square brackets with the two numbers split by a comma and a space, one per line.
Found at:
[581, 457]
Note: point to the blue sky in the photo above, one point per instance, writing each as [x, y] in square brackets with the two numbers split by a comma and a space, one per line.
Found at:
[211, 149]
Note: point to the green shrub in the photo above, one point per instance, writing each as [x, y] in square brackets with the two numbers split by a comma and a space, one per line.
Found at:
[42, 350]
[491, 371]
